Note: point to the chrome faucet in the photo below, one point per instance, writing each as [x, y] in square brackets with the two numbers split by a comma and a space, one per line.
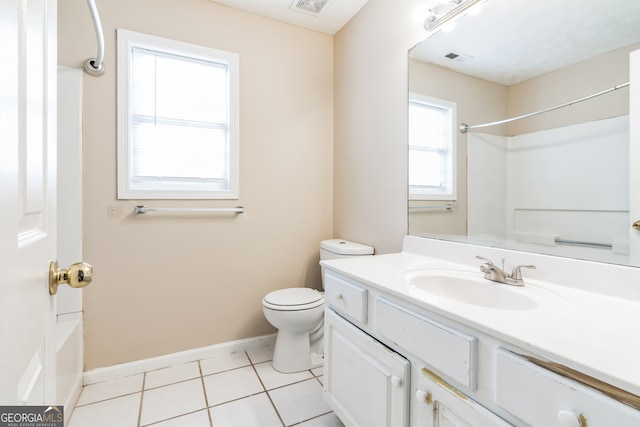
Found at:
[494, 273]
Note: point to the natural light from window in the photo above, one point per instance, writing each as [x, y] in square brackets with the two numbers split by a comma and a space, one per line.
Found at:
[178, 133]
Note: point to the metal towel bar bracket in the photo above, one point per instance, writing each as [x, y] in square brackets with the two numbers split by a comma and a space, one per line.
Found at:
[144, 209]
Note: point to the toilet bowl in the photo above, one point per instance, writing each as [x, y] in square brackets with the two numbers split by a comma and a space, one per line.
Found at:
[298, 314]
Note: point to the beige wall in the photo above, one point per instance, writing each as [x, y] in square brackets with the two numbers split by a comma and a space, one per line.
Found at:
[166, 283]
[568, 84]
[370, 190]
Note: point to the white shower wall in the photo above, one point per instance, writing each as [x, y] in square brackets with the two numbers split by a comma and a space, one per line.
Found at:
[570, 183]
[487, 184]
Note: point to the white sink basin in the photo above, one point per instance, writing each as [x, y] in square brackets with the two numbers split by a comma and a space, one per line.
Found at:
[468, 288]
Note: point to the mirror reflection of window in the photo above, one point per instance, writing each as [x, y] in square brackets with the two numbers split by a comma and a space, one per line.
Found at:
[432, 148]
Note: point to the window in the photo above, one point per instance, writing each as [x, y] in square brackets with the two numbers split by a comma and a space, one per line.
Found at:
[177, 120]
[432, 148]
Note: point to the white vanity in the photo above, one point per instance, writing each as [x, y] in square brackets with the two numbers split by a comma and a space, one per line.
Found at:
[421, 339]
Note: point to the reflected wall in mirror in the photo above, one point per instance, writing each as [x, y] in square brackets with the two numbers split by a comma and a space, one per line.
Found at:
[554, 183]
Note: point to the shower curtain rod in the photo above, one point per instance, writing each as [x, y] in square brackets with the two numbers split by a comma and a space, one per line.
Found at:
[95, 66]
[464, 128]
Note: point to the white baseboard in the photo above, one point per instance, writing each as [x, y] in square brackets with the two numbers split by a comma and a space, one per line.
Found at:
[168, 360]
[72, 400]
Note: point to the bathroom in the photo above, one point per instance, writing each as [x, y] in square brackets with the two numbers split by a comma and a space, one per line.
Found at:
[322, 154]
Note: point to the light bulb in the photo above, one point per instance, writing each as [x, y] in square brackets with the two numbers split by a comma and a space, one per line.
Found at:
[474, 10]
[423, 14]
[449, 26]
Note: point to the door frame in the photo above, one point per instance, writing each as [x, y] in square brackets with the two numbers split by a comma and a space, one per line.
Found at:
[69, 320]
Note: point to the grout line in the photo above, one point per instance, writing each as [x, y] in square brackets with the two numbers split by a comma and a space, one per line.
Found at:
[206, 399]
[144, 379]
[318, 379]
[226, 370]
[106, 400]
[206, 408]
[173, 418]
[266, 391]
[312, 418]
[173, 383]
[236, 399]
[275, 408]
[293, 383]
[256, 372]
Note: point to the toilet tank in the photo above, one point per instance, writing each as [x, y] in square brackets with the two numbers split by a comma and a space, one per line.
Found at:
[340, 248]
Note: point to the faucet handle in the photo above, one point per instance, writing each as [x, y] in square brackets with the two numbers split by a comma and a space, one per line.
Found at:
[516, 275]
[486, 260]
[486, 267]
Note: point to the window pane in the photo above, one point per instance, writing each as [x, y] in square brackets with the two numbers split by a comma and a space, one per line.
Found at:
[177, 119]
[164, 150]
[143, 84]
[431, 148]
[425, 168]
[178, 87]
[427, 126]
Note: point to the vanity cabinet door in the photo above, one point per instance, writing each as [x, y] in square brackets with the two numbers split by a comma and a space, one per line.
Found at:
[438, 404]
[365, 382]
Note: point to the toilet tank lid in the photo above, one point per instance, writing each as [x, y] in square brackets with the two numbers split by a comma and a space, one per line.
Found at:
[345, 247]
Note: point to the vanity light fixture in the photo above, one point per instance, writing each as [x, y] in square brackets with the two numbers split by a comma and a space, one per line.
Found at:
[449, 12]
[309, 6]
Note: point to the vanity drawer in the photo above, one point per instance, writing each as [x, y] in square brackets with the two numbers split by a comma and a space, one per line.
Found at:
[450, 352]
[540, 397]
[345, 297]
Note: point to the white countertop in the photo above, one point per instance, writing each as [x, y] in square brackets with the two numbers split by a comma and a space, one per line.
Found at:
[594, 333]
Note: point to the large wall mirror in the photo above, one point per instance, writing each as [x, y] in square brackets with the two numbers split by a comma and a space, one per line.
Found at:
[554, 183]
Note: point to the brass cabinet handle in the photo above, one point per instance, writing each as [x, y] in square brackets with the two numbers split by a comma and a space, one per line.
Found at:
[636, 225]
[78, 275]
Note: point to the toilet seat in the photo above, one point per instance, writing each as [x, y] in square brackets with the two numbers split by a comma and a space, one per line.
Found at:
[293, 299]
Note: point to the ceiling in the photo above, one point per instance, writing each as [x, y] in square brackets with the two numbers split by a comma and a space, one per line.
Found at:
[331, 18]
[514, 40]
[508, 42]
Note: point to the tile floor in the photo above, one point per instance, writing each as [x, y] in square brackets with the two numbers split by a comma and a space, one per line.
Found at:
[236, 390]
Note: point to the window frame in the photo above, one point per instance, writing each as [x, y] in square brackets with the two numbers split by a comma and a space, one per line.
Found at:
[127, 41]
[451, 108]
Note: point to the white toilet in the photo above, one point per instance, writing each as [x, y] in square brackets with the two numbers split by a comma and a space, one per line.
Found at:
[298, 314]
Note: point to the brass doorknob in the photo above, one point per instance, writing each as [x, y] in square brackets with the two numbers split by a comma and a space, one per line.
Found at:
[78, 275]
[636, 225]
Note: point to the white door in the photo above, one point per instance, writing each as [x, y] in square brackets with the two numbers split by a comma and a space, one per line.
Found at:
[27, 200]
[634, 155]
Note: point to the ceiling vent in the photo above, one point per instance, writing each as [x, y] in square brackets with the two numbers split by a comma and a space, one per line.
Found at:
[309, 6]
[457, 56]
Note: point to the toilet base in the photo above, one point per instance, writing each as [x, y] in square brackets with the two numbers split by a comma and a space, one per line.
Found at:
[293, 353]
